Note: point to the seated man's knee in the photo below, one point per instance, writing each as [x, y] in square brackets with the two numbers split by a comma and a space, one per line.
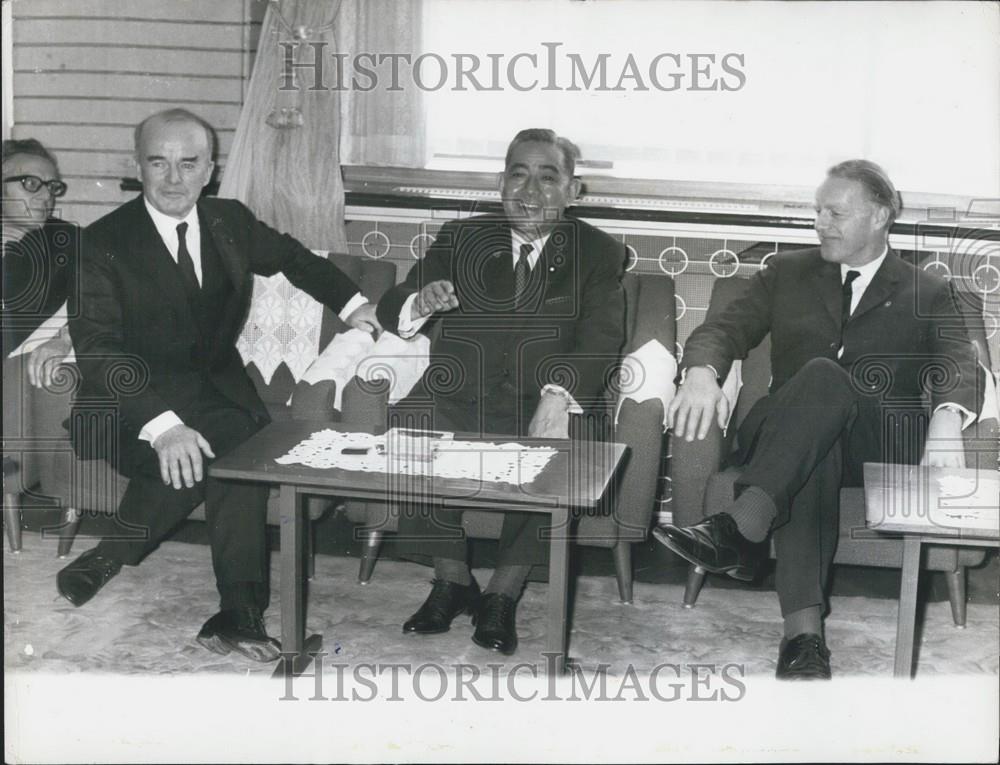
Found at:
[825, 372]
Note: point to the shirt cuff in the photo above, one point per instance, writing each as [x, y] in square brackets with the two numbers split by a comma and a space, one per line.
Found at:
[408, 326]
[707, 366]
[967, 417]
[572, 406]
[352, 305]
[159, 425]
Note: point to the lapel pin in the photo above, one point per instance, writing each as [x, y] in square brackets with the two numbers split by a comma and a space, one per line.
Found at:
[888, 303]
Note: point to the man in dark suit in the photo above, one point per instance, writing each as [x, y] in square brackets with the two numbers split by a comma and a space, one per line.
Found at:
[856, 333]
[529, 311]
[166, 281]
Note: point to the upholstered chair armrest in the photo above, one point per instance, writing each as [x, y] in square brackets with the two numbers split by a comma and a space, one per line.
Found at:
[692, 463]
[17, 426]
[640, 427]
[366, 404]
[982, 442]
[315, 401]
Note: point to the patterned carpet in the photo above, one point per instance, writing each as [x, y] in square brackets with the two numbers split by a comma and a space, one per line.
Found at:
[144, 622]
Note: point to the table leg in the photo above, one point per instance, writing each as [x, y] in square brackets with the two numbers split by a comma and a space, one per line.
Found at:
[295, 649]
[907, 619]
[558, 585]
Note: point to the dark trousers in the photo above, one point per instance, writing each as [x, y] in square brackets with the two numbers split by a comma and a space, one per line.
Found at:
[430, 529]
[800, 445]
[235, 511]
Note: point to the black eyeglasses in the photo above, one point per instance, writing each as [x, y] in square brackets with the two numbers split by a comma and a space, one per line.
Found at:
[32, 183]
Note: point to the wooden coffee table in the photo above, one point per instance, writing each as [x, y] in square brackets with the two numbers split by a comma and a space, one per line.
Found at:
[928, 505]
[575, 478]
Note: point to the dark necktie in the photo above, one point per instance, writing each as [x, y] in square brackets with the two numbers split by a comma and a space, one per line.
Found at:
[184, 261]
[846, 295]
[521, 272]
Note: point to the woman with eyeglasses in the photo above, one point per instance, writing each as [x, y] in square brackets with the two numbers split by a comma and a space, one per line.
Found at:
[39, 260]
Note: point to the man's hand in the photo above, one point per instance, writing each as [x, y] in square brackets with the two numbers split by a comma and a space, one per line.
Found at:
[944, 446]
[551, 419]
[180, 450]
[696, 404]
[43, 361]
[434, 297]
[363, 318]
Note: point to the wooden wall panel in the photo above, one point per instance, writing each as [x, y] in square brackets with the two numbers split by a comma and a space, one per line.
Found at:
[86, 71]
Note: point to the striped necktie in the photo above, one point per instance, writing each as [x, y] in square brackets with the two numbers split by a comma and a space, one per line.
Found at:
[522, 270]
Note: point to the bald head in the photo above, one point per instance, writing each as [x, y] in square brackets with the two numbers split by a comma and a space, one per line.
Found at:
[172, 116]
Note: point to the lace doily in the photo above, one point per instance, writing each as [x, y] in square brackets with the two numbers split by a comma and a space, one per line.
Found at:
[506, 462]
[283, 325]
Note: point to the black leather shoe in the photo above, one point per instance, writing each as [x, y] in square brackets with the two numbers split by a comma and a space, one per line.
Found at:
[804, 657]
[494, 620]
[716, 545]
[241, 630]
[446, 601]
[80, 580]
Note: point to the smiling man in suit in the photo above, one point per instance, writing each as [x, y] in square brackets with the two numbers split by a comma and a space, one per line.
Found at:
[855, 334]
[527, 319]
[166, 281]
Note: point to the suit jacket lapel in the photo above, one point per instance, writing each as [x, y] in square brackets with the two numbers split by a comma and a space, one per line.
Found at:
[498, 265]
[882, 285]
[225, 244]
[828, 286]
[557, 261]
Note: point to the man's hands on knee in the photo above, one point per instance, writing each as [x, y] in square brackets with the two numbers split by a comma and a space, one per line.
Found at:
[180, 450]
[697, 403]
[434, 297]
[44, 359]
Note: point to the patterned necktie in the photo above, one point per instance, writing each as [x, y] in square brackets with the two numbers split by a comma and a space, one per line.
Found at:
[521, 272]
[185, 262]
[846, 295]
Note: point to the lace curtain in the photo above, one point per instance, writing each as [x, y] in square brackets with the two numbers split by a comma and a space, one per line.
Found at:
[285, 160]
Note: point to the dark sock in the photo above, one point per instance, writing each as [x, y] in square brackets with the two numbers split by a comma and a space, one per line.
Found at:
[754, 512]
[239, 595]
[452, 570]
[509, 581]
[805, 620]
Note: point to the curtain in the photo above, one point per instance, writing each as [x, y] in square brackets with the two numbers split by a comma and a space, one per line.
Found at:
[382, 126]
[284, 163]
[285, 160]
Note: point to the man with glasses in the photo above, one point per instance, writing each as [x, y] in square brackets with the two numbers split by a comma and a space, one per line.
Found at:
[39, 260]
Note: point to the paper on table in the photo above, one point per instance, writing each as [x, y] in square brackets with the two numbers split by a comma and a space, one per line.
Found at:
[505, 462]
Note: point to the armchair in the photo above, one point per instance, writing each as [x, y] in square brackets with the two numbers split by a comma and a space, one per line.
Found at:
[699, 483]
[92, 486]
[650, 309]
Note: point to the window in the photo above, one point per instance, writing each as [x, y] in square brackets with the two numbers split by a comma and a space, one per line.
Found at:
[759, 94]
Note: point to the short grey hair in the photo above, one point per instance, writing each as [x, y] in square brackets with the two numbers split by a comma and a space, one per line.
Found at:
[875, 181]
[569, 150]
